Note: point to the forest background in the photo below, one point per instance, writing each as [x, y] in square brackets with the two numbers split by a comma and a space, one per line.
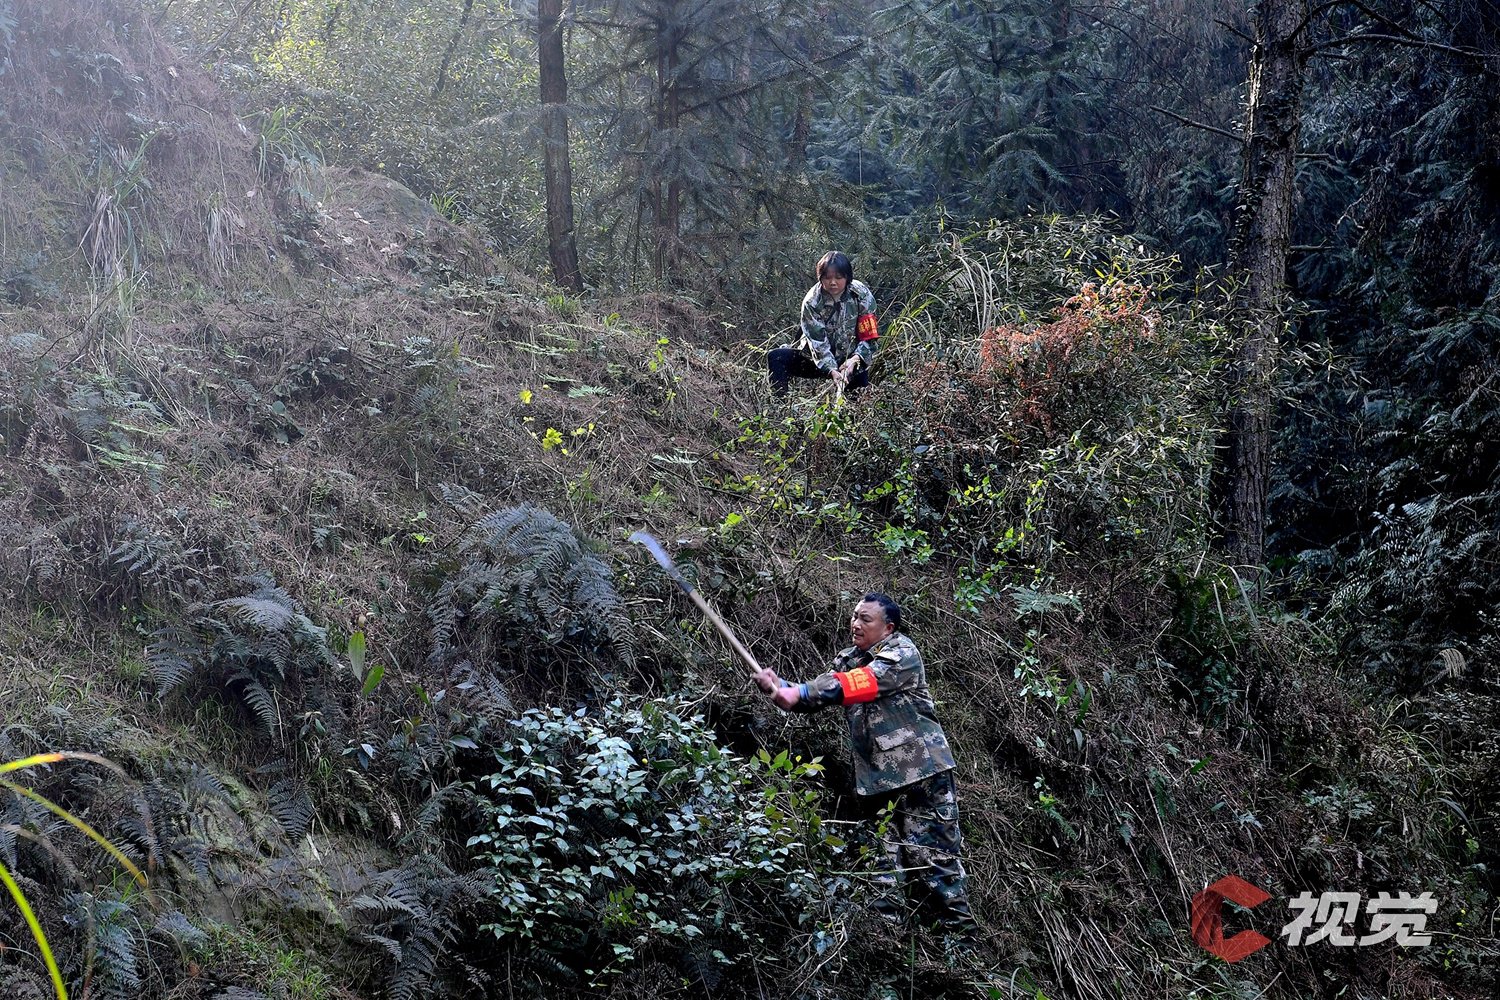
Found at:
[1181, 457]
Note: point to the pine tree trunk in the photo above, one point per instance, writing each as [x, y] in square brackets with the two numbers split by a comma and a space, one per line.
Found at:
[1259, 259]
[668, 117]
[557, 168]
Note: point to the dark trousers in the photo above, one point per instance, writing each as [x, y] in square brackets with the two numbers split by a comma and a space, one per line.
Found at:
[787, 363]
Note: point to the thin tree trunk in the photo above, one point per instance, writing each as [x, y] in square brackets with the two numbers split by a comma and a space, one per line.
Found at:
[458, 33]
[1259, 258]
[668, 114]
[557, 168]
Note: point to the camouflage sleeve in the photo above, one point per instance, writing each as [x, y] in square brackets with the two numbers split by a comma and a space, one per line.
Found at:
[866, 348]
[896, 668]
[825, 690]
[815, 335]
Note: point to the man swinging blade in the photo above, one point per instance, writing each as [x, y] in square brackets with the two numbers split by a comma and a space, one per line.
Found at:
[901, 754]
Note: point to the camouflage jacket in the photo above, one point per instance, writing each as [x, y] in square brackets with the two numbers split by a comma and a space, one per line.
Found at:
[829, 326]
[892, 720]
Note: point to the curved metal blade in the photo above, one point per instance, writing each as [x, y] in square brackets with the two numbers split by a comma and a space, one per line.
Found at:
[660, 555]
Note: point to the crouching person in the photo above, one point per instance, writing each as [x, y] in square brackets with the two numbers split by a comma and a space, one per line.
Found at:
[839, 331]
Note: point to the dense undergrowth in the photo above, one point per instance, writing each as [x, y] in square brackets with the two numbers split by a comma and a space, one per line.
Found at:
[327, 550]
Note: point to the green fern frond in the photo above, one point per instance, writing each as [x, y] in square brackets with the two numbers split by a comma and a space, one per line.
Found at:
[137, 830]
[484, 695]
[261, 701]
[465, 501]
[431, 812]
[524, 567]
[382, 908]
[389, 945]
[420, 954]
[291, 806]
[410, 913]
[174, 926]
[171, 659]
[547, 966]
[29, 916]
[203, 784]
[1030, 601]
[256, 645]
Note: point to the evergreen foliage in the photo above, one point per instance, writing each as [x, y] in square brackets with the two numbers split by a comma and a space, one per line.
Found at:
[1389, 503]
[975, 107]
[700, 153]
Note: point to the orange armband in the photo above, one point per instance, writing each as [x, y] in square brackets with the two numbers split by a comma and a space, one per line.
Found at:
[867, 328]
[859, 685]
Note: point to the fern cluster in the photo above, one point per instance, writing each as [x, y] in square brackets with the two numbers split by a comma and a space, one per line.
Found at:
[256, 645]
[146, 561]
[127, 940]
[411, 913]
[115, 936]
[526, 578]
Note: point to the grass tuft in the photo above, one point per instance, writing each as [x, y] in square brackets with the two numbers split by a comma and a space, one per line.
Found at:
[18, 896]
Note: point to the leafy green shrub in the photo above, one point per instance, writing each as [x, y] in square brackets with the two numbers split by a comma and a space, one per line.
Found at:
[1421, 586]
[1202, 645]
[26, 378]
[1048, 395]
[615, 833]
[115, 422]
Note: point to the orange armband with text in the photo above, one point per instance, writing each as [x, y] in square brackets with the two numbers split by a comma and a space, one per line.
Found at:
[859, 685]
[867, 328]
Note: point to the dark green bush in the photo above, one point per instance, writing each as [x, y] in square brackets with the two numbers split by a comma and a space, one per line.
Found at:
[625, 831]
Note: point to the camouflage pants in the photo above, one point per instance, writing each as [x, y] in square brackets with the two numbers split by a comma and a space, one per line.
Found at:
[925, 847]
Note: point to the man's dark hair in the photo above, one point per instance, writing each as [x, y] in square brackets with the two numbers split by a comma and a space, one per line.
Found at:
[838, 262]
[888, 607]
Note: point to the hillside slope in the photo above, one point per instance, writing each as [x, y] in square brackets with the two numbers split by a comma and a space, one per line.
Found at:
[307, 500]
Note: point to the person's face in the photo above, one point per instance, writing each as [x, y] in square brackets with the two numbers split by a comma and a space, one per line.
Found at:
[833, 283]
[867, 625]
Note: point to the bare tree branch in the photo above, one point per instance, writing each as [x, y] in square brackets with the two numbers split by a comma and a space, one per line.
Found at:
[1416, 43]
[1193, 124]
[1316, 12]
[1233, 30]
